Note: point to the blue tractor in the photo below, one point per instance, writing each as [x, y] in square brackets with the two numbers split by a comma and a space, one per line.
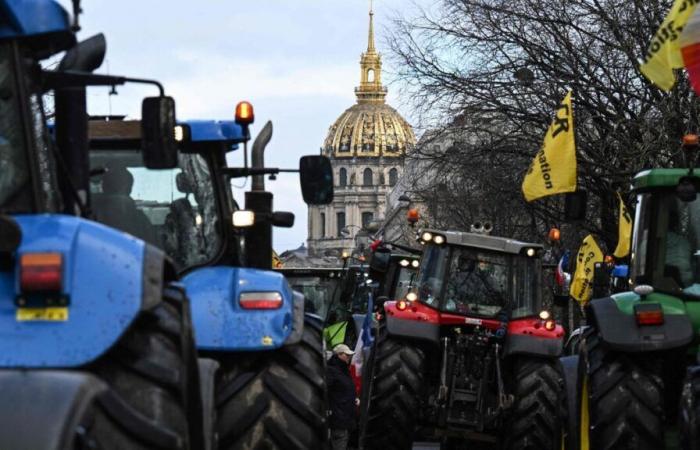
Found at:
[264, 387]
[97, 347]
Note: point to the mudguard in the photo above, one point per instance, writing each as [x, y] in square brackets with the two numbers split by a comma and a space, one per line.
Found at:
[41, 410]
[221, 324]
[572, 373]
[108, 277]
[618, 328]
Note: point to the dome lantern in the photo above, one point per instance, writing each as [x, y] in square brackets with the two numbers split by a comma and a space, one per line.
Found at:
[370, 128]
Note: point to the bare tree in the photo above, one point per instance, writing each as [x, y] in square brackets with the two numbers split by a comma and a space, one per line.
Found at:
[497, 69]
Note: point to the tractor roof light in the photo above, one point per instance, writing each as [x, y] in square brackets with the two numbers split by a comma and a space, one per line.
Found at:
[554, 235]
[439, 240]
[427, 236]
[411, 296]
[41, 272]
[412, 216]
[404, 263]
[260, 300]
[415, 263]
[245, 114]
[530, 252]
[545, 315]
[690, 140]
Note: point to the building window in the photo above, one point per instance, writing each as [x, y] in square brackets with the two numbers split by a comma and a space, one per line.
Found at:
[393, 177]
[340, 218]
[367, 217]
[367, 177]
[323, 225]
[370, 75]
[343, 177]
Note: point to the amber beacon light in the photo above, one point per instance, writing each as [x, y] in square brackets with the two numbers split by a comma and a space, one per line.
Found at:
[244, 113]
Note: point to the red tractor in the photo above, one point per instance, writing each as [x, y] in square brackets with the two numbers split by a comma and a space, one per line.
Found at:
[468, 354]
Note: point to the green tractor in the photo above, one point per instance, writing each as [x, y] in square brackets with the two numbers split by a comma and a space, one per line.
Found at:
[640, 385]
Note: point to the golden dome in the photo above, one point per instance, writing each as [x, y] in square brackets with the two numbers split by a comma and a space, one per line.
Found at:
[370, 128]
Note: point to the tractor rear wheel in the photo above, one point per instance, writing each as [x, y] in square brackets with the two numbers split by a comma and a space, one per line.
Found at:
[690, 410]
[273, 399]
[152, 373]
[392, 383]
[534, 422]
[625, 399]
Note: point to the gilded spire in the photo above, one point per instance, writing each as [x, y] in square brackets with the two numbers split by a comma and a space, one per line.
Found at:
[371, 89]
[370, 38]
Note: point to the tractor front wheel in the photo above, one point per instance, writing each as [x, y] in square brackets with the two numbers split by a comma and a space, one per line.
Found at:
[391, 384]
[625, 398]
[273, 399]
[535, 422]
[690, 410]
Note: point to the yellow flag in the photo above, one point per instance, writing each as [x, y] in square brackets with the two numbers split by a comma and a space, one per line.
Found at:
[624, 231]
[553, 171]
[588, 255]
[664, 53]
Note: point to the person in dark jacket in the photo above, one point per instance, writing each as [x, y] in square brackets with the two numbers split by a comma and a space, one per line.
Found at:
[341, 396]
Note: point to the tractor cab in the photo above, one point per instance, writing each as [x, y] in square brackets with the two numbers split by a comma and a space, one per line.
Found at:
[179, 210]
[666, 245]
[395, 273]
[477, 275]
[326, 290]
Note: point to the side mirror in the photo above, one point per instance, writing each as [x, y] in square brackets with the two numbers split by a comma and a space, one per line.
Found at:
[158, 133]
[575, 206]
[316, 175]
[283, 219]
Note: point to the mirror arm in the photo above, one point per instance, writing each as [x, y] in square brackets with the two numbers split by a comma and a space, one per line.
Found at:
[53, 79]
[241, 172]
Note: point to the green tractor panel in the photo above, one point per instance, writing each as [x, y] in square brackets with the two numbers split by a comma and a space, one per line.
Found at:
[467, 354]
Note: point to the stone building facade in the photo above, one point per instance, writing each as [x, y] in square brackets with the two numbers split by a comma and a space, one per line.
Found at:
[367, 145]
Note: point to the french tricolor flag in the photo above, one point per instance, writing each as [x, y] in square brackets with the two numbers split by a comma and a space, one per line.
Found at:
[561, 268]
[690, 49]
[364, 344]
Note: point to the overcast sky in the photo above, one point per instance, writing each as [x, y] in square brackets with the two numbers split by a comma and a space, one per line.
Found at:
[297, 61]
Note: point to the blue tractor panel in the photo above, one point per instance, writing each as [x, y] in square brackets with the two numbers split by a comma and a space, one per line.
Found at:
[215, 131]
[102, 280]
[24, 18]
[220, 323]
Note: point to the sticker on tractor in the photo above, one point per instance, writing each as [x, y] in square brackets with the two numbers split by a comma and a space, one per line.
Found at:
[266, 340]
[42, 314]
[472, 321]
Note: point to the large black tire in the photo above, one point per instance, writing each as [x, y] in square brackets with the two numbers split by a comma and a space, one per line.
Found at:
[690, 410]
[625, 399]
[392, 384]
[152, 373]
[535, 422]
[275, 399]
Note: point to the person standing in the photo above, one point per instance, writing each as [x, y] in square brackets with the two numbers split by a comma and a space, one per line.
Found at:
[341, 396]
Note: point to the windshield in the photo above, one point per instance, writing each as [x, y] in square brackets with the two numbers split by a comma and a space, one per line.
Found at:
[404, 282]
[472, 281]
[174, 210]
[16, 189]
[319, 293]
[668, 230]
